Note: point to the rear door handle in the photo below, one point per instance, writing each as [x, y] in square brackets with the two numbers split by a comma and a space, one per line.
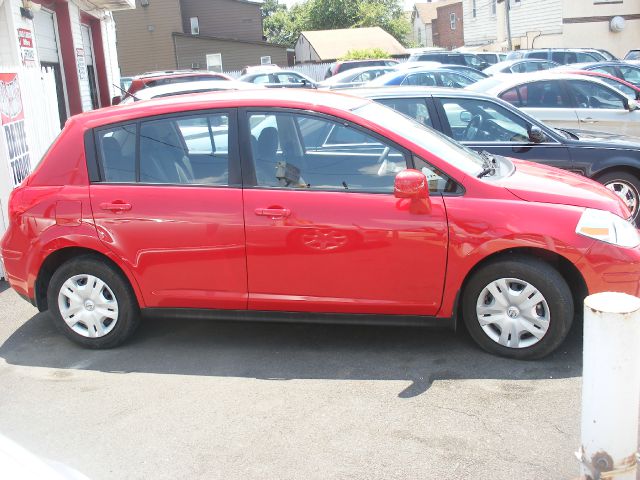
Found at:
[273, 212]
[115, 206]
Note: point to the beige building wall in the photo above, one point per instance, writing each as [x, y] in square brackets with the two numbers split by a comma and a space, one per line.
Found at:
[153, 25]
[586, 24]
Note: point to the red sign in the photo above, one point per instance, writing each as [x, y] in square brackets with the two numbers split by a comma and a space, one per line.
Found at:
[10, 99]
[27, 52]
[13, 128]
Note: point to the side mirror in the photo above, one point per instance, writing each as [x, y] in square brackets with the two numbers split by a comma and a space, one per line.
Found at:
[632, 105]
[116, 100]
[536, 135]
[411, 184]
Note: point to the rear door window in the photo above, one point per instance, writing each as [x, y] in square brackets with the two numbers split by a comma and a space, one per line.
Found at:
[415, 108]
[544, 94]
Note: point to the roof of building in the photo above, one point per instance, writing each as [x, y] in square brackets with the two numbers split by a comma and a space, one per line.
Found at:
[427, 12]
[333, 44]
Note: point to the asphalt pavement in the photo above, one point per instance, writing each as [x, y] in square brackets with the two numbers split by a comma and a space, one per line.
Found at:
[216, 400]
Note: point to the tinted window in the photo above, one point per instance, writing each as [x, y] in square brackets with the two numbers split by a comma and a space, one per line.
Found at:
[630, 74]
[261, 79]
[484, 121]
[415, 108]
[546, 94]
[306, 152]
[628, 91]
[541, 55]
[288, 78]
[454, 80]
[592, 95]
[425, 79]
[117, 150]
[185, 150]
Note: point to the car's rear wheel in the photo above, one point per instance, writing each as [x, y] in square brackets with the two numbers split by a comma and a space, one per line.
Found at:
[626, 186]
[519, 308]
[92, 303]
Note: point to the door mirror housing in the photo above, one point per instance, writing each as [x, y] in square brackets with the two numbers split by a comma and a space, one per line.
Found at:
[536, 135]
[116, 100]
[632, 105]
[411, 184]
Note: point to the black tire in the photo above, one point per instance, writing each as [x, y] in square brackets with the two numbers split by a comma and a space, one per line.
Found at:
[128, 311]
[548, 282]
[627, 179]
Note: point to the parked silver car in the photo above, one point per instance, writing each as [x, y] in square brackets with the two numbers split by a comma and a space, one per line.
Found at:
[566, 101]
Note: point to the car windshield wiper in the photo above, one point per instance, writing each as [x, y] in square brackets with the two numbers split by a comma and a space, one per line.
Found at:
[489, 164]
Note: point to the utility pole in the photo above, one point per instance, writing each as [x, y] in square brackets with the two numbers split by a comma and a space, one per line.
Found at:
[507, 10]
[507, 6]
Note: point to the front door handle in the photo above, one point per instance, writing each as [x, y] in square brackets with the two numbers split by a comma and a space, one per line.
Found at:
[273, 212]
[589, 120]
[115, 206]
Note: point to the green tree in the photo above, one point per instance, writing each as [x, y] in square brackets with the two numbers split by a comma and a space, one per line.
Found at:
[365, 54]
[283, 26]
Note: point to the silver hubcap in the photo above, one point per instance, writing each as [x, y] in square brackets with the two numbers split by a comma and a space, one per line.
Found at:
[626, 192]
[324, 240]
[513, 313]
[88, 306]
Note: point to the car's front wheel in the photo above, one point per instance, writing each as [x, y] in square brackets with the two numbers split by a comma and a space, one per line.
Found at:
[626, 186]
[92, 303]
[519, 307]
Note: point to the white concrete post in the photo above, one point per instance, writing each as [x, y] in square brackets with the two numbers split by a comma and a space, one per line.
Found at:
[610, 386]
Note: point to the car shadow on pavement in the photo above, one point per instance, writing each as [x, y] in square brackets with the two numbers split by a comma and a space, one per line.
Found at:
[274, 351]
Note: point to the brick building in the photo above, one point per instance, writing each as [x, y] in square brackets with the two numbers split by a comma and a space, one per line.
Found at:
[448, 26]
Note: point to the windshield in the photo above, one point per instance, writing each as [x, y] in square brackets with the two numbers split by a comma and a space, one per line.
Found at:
[435, 142]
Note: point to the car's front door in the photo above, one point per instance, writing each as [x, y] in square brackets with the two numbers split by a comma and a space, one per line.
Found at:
[486, 125]
[167, 200]
[602, 108]
[324, 230]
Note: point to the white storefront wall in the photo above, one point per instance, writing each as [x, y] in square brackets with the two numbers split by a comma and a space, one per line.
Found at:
[37, 86]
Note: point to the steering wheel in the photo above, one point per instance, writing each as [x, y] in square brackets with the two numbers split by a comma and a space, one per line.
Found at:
[472, 128]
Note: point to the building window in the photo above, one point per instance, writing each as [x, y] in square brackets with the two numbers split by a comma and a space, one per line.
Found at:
[214, 62]
[474, 9]
[493, 7]
[452, 19]
[195, 26]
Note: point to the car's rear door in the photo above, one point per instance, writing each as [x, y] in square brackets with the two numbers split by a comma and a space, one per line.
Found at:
[324, 230]
[167, 200]
[546, 100]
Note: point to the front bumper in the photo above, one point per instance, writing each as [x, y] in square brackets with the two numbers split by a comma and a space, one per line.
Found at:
[608, 268]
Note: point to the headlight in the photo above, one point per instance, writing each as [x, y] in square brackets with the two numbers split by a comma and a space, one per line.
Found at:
[608, 227]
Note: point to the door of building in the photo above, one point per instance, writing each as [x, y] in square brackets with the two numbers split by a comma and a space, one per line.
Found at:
[44, 25]
[90, 62]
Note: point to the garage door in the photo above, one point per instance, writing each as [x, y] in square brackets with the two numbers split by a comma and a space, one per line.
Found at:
[46, 44]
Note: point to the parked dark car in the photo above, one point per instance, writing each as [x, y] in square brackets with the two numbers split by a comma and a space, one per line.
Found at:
[562, 56]
[344, 65]
[482, 122]
[468, 59]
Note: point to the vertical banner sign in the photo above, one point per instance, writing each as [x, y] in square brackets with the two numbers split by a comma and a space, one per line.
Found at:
[13, 131]
[25, 40]
[82, 64]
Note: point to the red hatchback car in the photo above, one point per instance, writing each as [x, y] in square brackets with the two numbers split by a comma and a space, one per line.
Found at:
[306, 206]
